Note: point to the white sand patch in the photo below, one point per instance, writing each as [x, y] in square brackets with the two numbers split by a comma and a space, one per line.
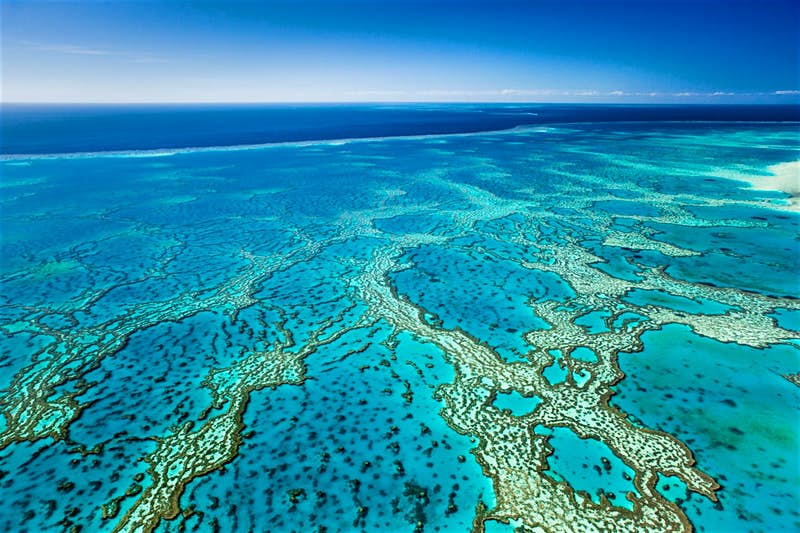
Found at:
[783, 177]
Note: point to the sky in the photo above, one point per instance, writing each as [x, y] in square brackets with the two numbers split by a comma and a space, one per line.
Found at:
[651, 51]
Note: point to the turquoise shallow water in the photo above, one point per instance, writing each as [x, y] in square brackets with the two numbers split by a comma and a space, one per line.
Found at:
[535, 327]
[729, 403]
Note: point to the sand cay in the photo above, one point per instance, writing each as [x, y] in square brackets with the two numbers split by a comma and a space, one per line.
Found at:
[784, 177]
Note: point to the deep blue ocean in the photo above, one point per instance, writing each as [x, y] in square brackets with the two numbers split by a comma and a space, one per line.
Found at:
[421, 318]
[39, 129]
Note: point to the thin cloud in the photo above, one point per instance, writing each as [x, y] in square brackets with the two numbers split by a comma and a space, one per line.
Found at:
[64, 49]
[581, 93]
[526, 92]
[74, 49]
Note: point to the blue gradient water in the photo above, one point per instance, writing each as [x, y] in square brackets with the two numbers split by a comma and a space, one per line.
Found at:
[152, 273]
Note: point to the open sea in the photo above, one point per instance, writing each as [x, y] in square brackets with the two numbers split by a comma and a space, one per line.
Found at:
[411, 318]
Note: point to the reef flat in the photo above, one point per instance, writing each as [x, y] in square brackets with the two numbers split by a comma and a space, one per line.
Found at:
[571, 328]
